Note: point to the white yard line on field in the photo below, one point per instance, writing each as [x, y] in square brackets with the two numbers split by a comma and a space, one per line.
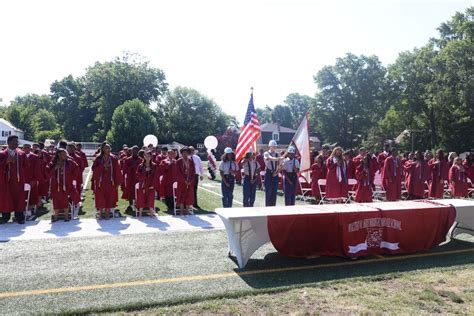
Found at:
[215, 193]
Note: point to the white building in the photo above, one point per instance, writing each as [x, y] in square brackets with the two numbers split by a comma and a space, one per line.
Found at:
[7, 129]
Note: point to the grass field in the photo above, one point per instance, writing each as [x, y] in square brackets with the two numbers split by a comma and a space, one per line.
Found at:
[190, 273]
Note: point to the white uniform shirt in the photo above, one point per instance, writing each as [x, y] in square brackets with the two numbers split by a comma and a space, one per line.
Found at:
[250, 167]
[272, 165]
[227, 166]
[288, 164]
[198, 165]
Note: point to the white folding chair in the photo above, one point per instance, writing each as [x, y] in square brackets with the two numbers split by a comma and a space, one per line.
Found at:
[470, 189]
[27, 189]
[137, 186]
[175, 187]
[447, 191]
[321, 185]
[404, 191]
[262, 179]
[72, 206]
[379, 192]
[352, 191]
[304, 190]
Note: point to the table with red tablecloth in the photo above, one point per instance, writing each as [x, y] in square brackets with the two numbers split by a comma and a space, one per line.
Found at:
[346, 230]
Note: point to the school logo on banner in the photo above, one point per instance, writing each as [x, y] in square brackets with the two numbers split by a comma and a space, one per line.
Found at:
[375, 230]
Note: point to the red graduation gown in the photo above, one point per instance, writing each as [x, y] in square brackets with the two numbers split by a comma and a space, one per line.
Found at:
[4, 199]
[439, 174]
[62, 184]
[130, 166]
[458, 181]
[78, 160]
[185, 192]
[381, 159]
[15, 173]
[167, 169]
[43, 181]
[317, 172]
[106, 182]
[417, 175]
[335, 187]
[146, 179]
[32, 176]
[392, 173]
[365, 178]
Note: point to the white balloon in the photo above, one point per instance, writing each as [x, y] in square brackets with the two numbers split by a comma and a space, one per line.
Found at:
[210, 142]
[150, 139]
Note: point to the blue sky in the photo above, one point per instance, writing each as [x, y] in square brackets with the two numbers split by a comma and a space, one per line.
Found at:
[220, 48]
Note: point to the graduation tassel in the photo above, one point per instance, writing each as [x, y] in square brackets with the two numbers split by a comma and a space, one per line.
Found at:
[17, 168]
[111, 171]
[64, 177]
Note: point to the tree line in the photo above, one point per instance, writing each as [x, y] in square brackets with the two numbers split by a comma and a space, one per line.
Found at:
[425, 99]
[426, 96]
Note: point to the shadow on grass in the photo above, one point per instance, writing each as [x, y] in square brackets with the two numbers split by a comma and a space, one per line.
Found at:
[298, 271]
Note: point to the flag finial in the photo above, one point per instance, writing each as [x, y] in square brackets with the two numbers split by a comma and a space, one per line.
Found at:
[251, 89]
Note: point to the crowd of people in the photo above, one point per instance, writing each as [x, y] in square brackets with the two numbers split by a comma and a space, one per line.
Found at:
[172, 175]
[417, 174]
[414, 175]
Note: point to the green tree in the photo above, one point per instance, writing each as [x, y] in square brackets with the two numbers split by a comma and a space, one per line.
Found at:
[352, 97]
[299, 105]
[131, 122]
[264, 115]
[187, 116]
[71, 107]
[110, 84]
[281, 114]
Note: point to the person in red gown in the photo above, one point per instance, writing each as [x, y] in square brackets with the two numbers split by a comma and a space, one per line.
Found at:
[392, 173]
[468, 164]
[85, 163]
[32, 177]
[458, 179]
[15, 165]
[452, 155]
[167, 169]
[365, 177]
[62, 172]
[147, 174]
[107, 178]
[318, 171]
[185, 173]
[351, 167]
[43, 181]
[383, 155]
[336, 178]
[130, 166]
[439, 171]
[161, 154]
[417, 173]
[76, 195]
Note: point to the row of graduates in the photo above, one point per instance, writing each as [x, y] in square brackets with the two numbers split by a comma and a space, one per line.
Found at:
[48, 172]
[416, 171]
[143, 175]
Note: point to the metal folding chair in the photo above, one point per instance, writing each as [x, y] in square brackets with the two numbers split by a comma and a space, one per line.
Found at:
[27, 189]
[304, 190]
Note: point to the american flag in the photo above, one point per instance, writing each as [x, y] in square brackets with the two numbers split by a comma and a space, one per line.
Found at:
[249, 133]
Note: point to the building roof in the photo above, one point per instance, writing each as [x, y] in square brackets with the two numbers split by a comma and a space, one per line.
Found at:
[10, 125]
[314, 139]
[273, 127]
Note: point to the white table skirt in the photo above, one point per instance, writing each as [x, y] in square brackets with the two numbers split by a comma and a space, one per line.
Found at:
[247, 228]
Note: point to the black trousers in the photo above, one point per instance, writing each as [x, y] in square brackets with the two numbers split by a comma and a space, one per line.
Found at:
[169, 203]
[18, 215]
[196, 182]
